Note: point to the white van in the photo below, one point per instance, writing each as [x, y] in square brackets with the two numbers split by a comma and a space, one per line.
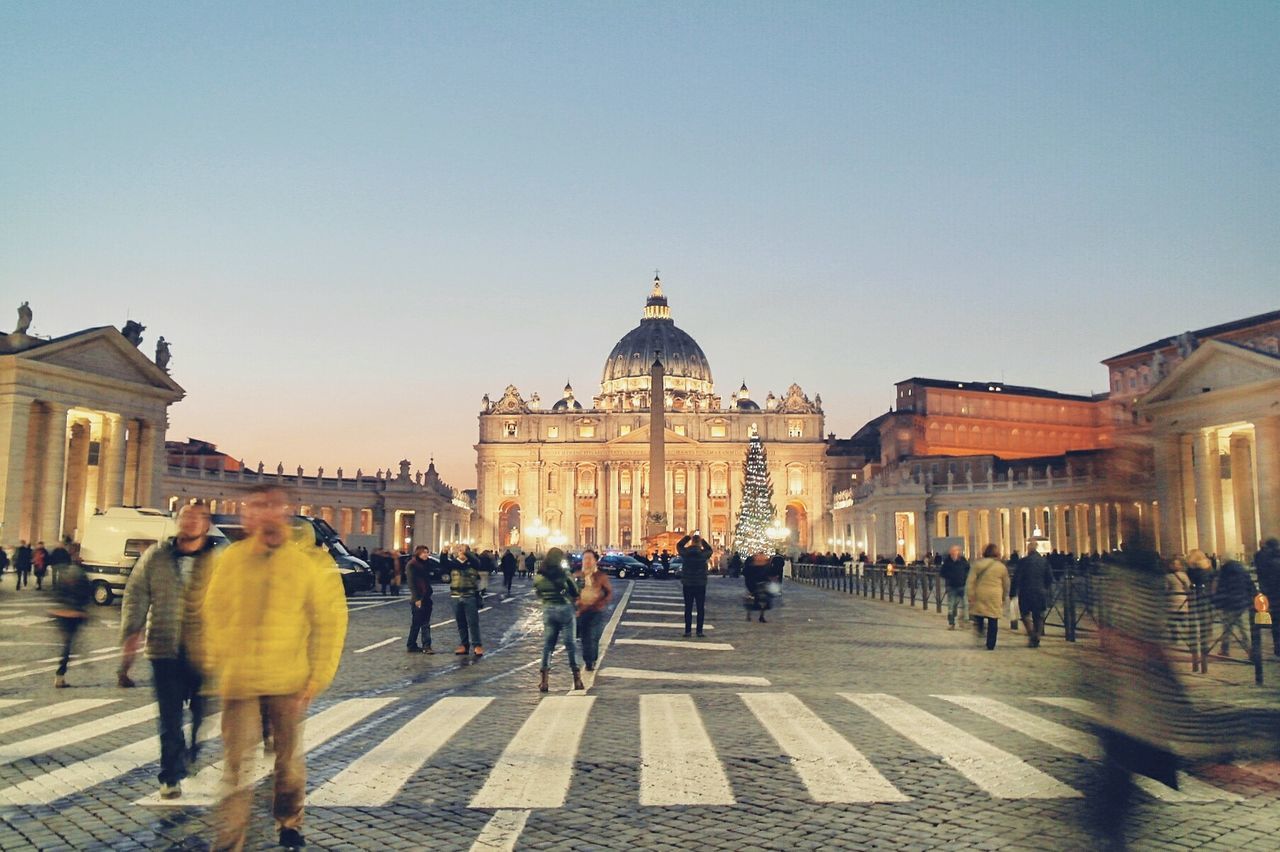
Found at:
[114, 539]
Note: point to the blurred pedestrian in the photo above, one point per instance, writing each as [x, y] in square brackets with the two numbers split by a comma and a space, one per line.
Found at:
[275, 621]
[1033, 585]
[419, 570]
[954, 573]
[1232, 597]
[163, 599]
[1177, 589]
[397, 572]
[1267, 562]
[508, 566]
[22, 559]
[39, 564]
[695, 552]
[4, 561]
[466, 592]
[592, 601]
[987, 591]
[72, 593]
[530, 563]
[559, 595]
[1200, 572]
[382, 561]
[755, 575]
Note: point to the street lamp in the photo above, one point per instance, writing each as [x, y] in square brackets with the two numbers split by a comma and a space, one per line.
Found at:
[777, 533]
[536, 530]
[557, 539]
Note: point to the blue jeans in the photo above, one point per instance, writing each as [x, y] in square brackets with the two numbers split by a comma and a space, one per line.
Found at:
[955, 600]
[590, 626]
[466, 611]
[558, 619]
[177, 682]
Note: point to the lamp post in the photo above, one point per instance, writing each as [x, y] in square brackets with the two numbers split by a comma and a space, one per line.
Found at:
[536, 530]
[777, 533]
[557, 539]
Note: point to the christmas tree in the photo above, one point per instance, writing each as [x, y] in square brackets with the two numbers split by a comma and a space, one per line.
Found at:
[757, 503]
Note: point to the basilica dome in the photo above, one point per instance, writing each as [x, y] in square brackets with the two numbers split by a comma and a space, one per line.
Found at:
[628, 365]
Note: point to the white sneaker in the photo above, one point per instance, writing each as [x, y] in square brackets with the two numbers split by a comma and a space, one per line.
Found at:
[170, 791]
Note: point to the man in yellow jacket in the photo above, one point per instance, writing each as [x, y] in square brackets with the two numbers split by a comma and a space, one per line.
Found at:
[276, 619]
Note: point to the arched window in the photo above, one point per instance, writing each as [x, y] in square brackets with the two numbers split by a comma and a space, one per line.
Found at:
[510, 480]
[795, 479]
[586, 480]
[624, 481]
[719, 480]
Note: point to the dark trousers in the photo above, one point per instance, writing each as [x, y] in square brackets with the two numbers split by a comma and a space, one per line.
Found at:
[993, 627]
[24, 578]
[466, 612]
[177, 682]
[40, 578]
[590, 627]
[694, 595]
[421, 624]
[69, 627]
[506, 580]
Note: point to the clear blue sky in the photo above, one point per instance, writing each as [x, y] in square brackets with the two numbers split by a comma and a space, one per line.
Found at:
[352, 220]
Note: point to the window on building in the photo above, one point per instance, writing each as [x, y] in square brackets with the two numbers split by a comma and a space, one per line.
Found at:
[586, 430]
[678, 428]
[718, 430]
[719, 481]
[678, 481]
[624, 482]
[624, 429]
[510, 480]
[795, 480]
[586, 481]
[551, 480]
[509, 428]
[553, 431]
[795, 428]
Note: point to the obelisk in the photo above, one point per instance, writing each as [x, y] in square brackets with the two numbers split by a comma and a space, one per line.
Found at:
[657, 520]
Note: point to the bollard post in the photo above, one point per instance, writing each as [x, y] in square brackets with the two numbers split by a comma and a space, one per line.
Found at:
[1255, 646]
[1069, 605]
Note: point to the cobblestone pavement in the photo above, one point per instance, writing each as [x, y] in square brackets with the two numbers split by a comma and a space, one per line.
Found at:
[841, 723]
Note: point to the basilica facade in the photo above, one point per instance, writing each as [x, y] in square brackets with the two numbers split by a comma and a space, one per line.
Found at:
[578, 474]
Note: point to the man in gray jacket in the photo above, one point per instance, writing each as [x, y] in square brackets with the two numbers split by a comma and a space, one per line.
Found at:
[168, 583]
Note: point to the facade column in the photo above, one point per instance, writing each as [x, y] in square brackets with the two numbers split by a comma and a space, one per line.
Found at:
[53, 476]
[704, 499]
[993, 531]
[1245, 527]
[77, 465]
[112, 464]
[15, 430]
[1208, 487]
[1266, 444]
[1168, 474]
[691, 497]
[151, 463]
[637, 501]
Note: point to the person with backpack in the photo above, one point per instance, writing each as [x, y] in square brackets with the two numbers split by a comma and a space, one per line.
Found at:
[1232, 598]
[559, 595]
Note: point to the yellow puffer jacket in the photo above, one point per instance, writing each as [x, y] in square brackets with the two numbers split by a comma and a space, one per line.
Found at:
[275, 620]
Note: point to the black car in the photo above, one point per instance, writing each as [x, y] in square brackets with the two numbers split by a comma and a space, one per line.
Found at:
[623, 567]
[355, 573]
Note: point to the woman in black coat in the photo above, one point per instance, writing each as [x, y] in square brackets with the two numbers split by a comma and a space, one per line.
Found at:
[1033, 585]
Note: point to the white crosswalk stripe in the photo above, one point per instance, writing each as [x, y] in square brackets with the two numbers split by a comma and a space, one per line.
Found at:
[201, 790]
[998, 772]
[535, 769]
[678, 763]
[75, 733]
[831, 769]
[375, 778]
[677, 625]
[676, 643]
[681, 762]
[19, 721]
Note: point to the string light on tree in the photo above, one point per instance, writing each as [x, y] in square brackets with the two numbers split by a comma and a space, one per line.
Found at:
[751, 533]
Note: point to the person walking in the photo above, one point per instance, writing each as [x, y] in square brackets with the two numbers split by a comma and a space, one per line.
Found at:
[1267, 563]
[987, 592]
[508, 566]
[275, 622]
[1033, 585]
[559, 595]
[397, 573]
[755, 575]
[1177, 589]
[162, 601]
[465, 592]
[592, 601]
[419, 570]
[39, 564]
[695, 552]
[23, 557]
[382, 561]
[1202, 575]
[4, 561]
[1233, 597]
[530, 563]
[954, 573]
[72, 593]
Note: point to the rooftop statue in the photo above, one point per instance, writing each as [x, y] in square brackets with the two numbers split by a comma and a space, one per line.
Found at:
[132, 332]
[24, 319]
[162, 354]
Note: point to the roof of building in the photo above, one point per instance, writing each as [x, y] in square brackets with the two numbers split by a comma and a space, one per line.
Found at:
[997, 387]
[1208, 331]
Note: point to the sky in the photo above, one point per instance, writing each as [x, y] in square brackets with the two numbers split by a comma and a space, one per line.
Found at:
[353, 220]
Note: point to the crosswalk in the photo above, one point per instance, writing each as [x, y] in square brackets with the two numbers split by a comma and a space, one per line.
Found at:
[681, 761]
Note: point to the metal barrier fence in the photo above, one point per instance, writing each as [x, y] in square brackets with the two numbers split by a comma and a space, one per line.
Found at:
[1077, 604]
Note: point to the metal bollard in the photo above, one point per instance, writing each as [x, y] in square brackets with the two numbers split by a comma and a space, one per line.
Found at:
[1255, 646]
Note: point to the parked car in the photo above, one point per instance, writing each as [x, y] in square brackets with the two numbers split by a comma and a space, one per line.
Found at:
[623, 567]
[114, 538]
[355, 572]
[676, 567]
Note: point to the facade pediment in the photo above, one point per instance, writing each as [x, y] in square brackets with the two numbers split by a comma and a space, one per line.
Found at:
[641, 436]
[1214, 366]
[103, 352]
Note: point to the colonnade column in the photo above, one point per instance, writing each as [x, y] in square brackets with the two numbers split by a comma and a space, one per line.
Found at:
[637, 499]
[704, 499]
[1168, 494]
[77, 477]
[53, 475]
[114, 456]
[15, 426]
[1242, 493]
[1208, 483]
[1266, 444]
